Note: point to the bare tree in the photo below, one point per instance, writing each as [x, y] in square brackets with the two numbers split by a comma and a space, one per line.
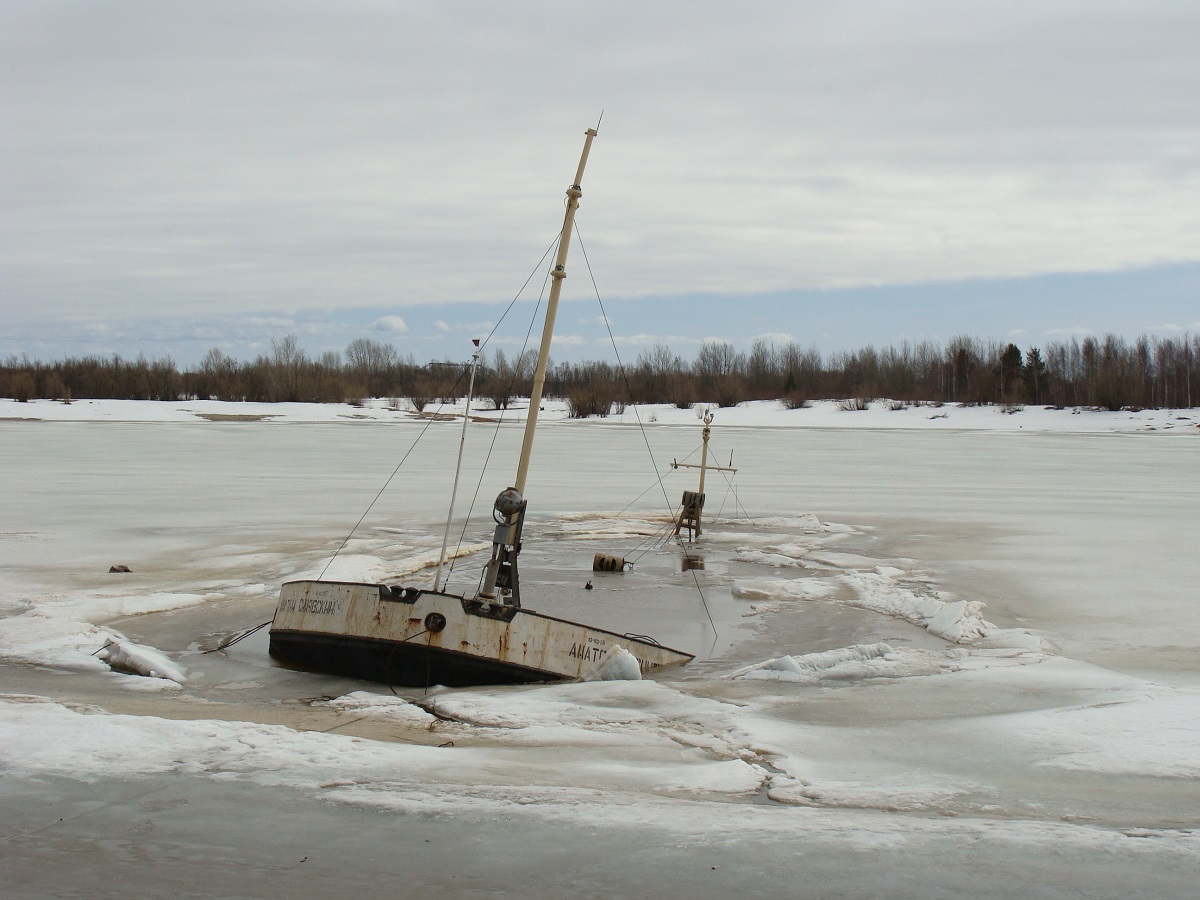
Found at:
[719, 371]
[287, 368]
[371, 363]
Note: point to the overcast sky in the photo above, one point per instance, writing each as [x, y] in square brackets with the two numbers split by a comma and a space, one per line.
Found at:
[178, 176]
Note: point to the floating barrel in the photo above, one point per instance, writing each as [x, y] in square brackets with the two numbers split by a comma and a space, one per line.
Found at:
[602, 562]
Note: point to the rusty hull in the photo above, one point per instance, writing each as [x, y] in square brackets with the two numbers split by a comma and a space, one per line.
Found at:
[415, 638]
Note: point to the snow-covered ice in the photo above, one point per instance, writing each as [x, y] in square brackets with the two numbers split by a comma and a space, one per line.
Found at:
[945, 648]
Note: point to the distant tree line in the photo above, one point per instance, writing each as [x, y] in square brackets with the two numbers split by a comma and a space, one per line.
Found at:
[1108, 372]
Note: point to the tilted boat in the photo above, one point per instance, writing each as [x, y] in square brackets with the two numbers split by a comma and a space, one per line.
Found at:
[418, 637]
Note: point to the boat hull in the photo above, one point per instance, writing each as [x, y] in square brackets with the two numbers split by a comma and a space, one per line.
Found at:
[417, 638]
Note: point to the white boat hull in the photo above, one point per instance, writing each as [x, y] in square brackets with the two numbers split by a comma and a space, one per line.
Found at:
[415, 638]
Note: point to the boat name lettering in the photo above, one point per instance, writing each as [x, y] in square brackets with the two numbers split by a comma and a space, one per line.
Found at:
[313, 606]
[586, 653]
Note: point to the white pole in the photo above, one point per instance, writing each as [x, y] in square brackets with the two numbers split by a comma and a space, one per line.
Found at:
[462, 441]
[708, 417]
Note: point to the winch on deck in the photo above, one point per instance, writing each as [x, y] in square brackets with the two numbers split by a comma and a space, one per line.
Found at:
[501, 577]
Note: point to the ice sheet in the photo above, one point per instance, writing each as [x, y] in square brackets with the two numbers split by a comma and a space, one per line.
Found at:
[991, 634]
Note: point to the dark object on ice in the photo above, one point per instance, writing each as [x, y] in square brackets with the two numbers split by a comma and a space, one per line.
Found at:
[588, 586]
[112, 569]
[689, 513]
[602, 562]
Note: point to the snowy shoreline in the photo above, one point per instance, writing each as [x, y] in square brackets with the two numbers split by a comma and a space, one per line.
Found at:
[820, 414]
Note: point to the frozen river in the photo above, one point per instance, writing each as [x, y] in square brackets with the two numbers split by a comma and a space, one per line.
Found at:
[855, 724]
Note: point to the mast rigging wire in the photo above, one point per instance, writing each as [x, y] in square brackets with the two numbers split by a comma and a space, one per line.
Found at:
[433, 418]
[379, 493]
[500, 419]
[642, 428]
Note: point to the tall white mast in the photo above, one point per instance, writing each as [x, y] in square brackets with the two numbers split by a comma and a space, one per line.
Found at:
[574, 192]
[500, 577]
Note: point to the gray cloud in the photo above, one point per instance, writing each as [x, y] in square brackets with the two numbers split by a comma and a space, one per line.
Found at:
[209, 159]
